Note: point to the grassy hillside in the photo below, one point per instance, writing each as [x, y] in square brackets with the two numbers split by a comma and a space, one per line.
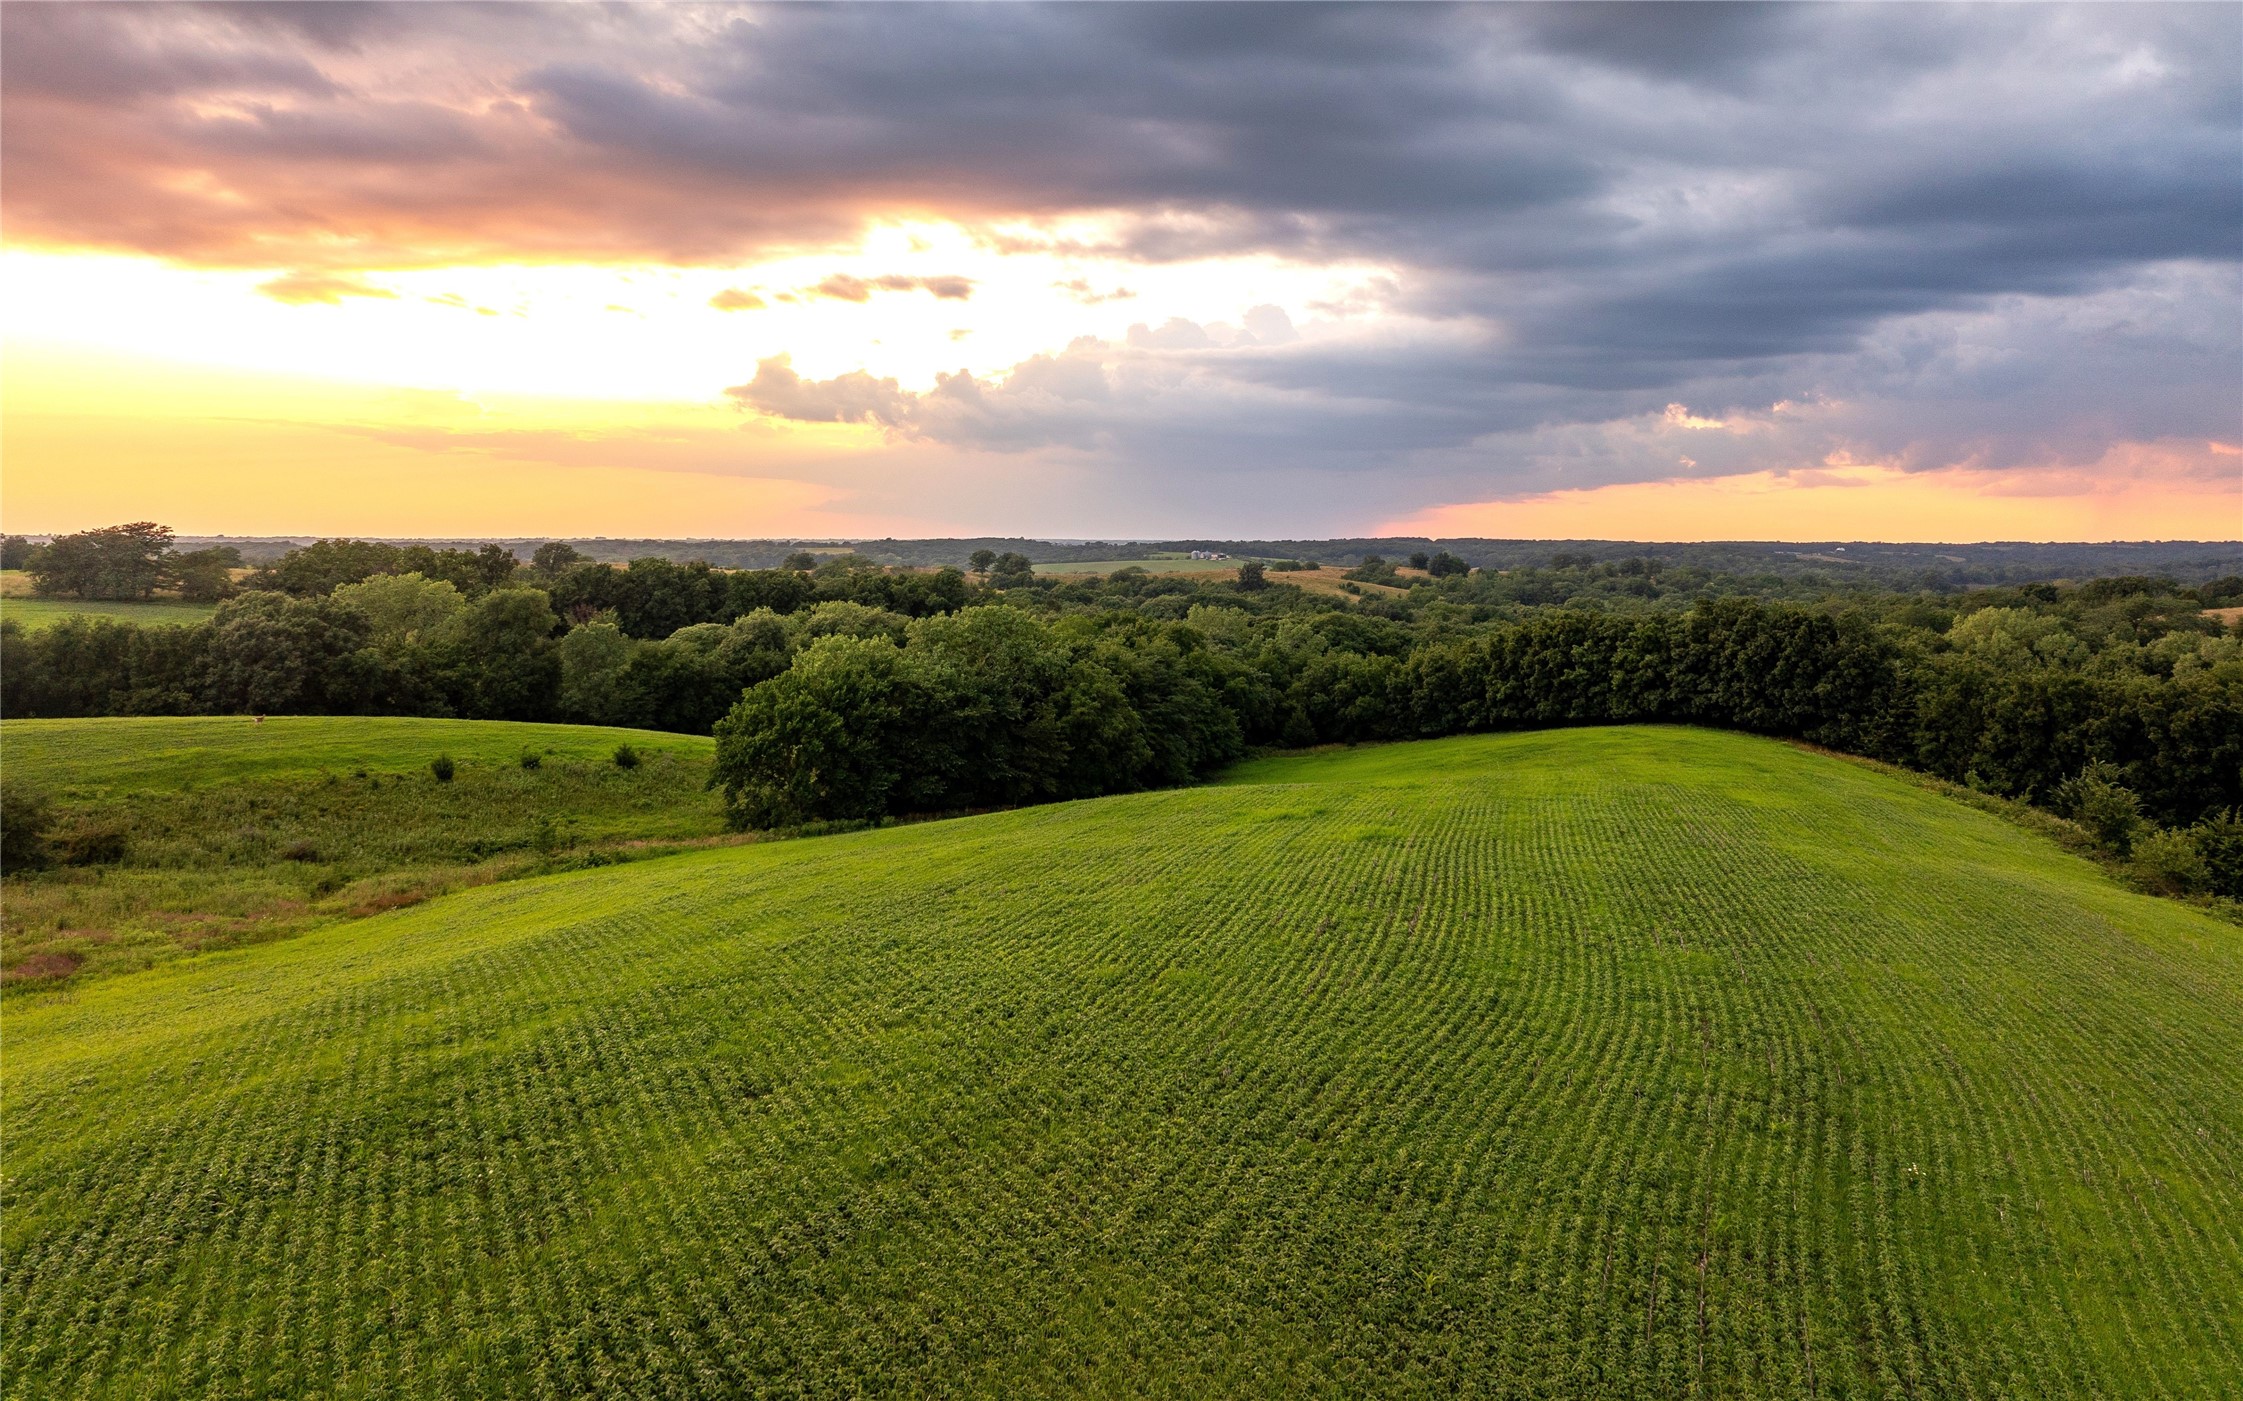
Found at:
[234, 830]
[18, 604]
[1639, 1062]
[36, 613]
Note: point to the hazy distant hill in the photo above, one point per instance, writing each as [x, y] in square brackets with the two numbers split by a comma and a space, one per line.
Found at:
[1910, 565]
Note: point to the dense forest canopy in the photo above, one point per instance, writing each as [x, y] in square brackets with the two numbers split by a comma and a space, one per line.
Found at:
[842, 688]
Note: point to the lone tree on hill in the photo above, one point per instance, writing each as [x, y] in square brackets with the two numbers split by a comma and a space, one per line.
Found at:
[1250, 576]
[981, 560]
[115, 562]
[554, 556]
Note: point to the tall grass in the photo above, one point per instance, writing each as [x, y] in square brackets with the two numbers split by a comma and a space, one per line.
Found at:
[222, 831]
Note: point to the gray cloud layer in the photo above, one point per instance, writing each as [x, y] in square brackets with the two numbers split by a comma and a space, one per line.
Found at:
[2002, 233]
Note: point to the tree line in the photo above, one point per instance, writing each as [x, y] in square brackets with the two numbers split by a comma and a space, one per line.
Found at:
[840, 690]
[123, 563]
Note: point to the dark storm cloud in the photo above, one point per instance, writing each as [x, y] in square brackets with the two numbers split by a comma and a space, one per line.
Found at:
[1622, 204]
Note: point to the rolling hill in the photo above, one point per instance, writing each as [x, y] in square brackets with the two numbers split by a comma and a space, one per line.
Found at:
[1625, 1062]
[229, 830]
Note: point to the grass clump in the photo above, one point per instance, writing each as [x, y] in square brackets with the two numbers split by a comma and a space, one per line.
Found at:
[26, 817]
[441, 767]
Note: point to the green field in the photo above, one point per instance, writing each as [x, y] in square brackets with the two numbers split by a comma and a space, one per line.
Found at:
[113, 756]
[1630, 1062]
[36, 613]
[1162, 565]
[237, 830]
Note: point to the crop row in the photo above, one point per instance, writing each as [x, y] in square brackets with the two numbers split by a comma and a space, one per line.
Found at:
[1597, 1078]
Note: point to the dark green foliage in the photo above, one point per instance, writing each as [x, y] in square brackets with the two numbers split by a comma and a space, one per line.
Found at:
[1251, 578]
[2221, 592]
[204, 576]
[531, 759]
[982, 708]
[2219, 841]
[2170, 862]
[1011, 570]
[498, 659]
[442, 768]
[780, 590]
[626, 757]
[1445, 565]
[554, 556]
[823, 739]
[2105, 590]
[2110, 812]
[982, 561]
[313, 571]
[268, 653]
[654, 598]
[16, 551]
[1372, 570]
[115, 562]
[800, 560]
[1420, 560]
[90, 842]
[25, 820]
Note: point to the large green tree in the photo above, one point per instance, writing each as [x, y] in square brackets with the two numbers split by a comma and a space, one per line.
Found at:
[114, 562]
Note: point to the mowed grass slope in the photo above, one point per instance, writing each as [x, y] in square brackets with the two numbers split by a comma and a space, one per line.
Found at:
[235, 830]
[17, 603]
[1630, 1062]
[99, 757]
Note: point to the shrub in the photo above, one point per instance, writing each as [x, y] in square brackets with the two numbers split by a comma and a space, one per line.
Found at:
[626, 757]
[2097, 801]
[530, 759]
[25, 819]
[441, 766]
[92, 844]
[2219, 841]
[2171, 862]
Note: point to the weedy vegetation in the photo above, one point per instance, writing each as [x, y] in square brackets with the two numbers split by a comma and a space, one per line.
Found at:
[144, 839]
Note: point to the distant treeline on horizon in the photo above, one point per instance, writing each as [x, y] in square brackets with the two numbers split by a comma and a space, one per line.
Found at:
[1882, 564]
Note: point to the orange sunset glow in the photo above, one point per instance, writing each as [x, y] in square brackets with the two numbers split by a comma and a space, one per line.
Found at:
[446, 272]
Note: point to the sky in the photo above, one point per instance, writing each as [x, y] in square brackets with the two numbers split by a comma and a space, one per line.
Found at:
[1661, 272]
